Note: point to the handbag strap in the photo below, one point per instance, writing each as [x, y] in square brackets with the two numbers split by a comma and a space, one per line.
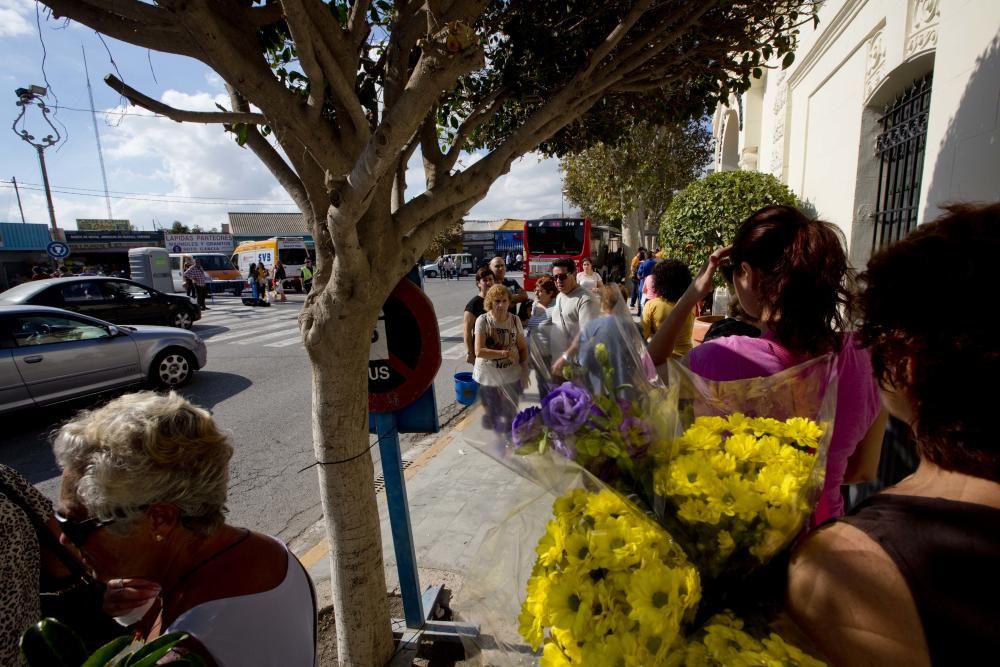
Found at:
[42, 532]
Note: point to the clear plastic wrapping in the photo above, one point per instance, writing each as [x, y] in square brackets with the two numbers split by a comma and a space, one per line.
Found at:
[658, 506]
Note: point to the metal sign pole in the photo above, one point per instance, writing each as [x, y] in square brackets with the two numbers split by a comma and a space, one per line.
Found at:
[399, 518]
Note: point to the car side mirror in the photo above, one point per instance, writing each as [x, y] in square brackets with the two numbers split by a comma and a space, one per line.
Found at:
[114, 331]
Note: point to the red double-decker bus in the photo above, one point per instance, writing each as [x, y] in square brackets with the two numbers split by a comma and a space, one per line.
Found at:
[547, 240]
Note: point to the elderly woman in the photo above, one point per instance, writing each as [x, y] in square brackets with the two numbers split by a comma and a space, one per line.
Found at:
[143, 498]
[910, 576]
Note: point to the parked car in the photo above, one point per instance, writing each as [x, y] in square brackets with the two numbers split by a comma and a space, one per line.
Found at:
[463, 265]
[112, 299]
[51, 355]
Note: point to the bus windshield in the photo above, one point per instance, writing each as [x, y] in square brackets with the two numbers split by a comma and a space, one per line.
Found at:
[292, 256]
[555, 237]
[214, 262]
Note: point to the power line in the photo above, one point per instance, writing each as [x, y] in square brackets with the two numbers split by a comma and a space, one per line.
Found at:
[72, 189]
[162, 200]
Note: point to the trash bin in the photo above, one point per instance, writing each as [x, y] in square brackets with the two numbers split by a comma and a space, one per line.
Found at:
[466, 388]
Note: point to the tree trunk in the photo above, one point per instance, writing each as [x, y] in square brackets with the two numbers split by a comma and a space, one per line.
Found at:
[340, 433]
[632, 232]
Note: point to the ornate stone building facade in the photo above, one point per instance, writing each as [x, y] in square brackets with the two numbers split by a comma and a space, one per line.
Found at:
[890, 110]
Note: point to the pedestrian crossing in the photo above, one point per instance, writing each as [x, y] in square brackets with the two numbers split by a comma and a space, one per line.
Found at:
[278, 326]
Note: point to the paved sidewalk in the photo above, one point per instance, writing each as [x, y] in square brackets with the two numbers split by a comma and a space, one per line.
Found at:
[456, 496]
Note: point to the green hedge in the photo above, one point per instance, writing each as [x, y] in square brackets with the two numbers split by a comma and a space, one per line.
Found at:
[705, 214]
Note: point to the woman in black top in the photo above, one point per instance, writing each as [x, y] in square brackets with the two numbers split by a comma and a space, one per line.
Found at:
[910, 576]
[473, 309]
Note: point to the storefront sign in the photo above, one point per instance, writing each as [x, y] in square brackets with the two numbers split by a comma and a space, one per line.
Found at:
[198, 242]
[100, 240]
[90, 225]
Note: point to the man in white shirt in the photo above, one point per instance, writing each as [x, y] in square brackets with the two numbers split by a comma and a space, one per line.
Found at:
[575, 306]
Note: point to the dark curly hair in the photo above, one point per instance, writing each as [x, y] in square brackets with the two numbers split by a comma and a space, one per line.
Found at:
[929, 334]
[671, 278]
[803, 280]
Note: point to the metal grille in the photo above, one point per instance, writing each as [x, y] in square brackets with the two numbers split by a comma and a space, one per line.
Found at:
[900, 148]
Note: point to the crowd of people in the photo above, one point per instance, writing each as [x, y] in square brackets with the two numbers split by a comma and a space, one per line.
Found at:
[902, 577]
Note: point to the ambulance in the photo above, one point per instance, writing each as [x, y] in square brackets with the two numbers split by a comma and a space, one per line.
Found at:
[290, 250]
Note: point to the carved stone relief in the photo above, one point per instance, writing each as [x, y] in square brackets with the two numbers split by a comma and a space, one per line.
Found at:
[921, 26]
[875, 63]
[778, 142]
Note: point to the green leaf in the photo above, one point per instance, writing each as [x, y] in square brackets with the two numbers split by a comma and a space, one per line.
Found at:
[242, 129]
[50, 643]
[103, 655]
[787, 61]
[151, 652]
[757, 72]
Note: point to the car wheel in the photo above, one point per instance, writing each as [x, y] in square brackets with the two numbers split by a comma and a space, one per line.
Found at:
[183, 318]
[172, 368]
[432, 274]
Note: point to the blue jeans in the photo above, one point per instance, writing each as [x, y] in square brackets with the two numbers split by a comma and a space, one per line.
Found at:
[635, 292]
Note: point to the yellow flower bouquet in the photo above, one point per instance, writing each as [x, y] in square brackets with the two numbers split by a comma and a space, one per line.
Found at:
[666, 502]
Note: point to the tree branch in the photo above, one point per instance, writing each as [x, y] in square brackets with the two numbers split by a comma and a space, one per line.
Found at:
[616, 35]
[180, 115]
[357, 24]
[128, 20]
[299, 25]
[267, 154]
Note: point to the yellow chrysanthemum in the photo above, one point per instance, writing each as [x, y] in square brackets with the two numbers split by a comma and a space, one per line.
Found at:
[552, 656]
[551, 547]
[787, 654]
[571, 505]
[604, 504]
[654, 595]
[805, 432]
[698, 438]
[743, 446]
[699, 511]
[570, 601]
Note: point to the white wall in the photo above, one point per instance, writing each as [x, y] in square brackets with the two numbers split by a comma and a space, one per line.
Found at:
[963, 135]
[819, 118]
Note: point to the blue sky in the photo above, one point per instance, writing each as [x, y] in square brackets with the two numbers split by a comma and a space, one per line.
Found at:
[158, 170]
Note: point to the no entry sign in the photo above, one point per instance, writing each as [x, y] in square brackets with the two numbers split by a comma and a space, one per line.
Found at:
[405, 350]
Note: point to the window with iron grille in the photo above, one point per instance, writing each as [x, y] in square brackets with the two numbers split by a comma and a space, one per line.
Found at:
[900, 149]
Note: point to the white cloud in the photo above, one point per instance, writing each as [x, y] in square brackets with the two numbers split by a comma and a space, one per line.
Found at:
[532, 188]
[14, 18]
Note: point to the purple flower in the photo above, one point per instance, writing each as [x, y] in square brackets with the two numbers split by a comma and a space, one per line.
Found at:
[527, 426]
[637, 434]
[565, 446]
[566, 408]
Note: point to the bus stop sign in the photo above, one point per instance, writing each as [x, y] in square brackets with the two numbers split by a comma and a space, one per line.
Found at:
[405, 350]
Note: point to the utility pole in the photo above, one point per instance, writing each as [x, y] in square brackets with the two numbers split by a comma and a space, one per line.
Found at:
[13, 179]
[25, 98]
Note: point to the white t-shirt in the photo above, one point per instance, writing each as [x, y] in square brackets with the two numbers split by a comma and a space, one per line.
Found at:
[589, 282]
[571, 314]
[497, 336]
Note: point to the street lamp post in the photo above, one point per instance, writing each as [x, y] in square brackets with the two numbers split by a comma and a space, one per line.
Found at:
[25, 98]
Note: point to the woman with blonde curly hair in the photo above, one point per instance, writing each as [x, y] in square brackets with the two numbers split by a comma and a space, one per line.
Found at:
[501, 359]
[143, 501]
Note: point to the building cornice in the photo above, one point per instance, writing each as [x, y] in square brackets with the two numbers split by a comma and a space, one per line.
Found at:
[840, 22]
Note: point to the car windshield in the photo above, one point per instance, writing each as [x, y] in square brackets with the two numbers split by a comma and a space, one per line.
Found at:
[214, 262]
[20, 293]
[556, 237]
[292, 256]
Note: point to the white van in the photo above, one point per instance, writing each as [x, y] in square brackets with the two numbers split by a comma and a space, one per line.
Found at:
[290, 250]
[464, 265]
[223, 276]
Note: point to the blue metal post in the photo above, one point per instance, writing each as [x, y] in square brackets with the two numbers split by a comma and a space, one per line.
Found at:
[399, 519]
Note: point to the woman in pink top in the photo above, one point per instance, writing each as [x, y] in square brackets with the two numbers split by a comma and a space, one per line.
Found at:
[791, 275]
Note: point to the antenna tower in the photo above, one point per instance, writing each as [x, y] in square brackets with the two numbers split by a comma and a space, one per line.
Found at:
[97, 134]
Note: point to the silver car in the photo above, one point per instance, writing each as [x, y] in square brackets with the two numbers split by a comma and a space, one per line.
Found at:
[49, 355]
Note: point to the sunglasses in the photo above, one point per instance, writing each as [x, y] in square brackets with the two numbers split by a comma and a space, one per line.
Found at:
[78, 530]
[559, 277]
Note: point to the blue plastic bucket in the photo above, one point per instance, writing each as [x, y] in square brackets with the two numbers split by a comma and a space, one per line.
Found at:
[466, 388]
